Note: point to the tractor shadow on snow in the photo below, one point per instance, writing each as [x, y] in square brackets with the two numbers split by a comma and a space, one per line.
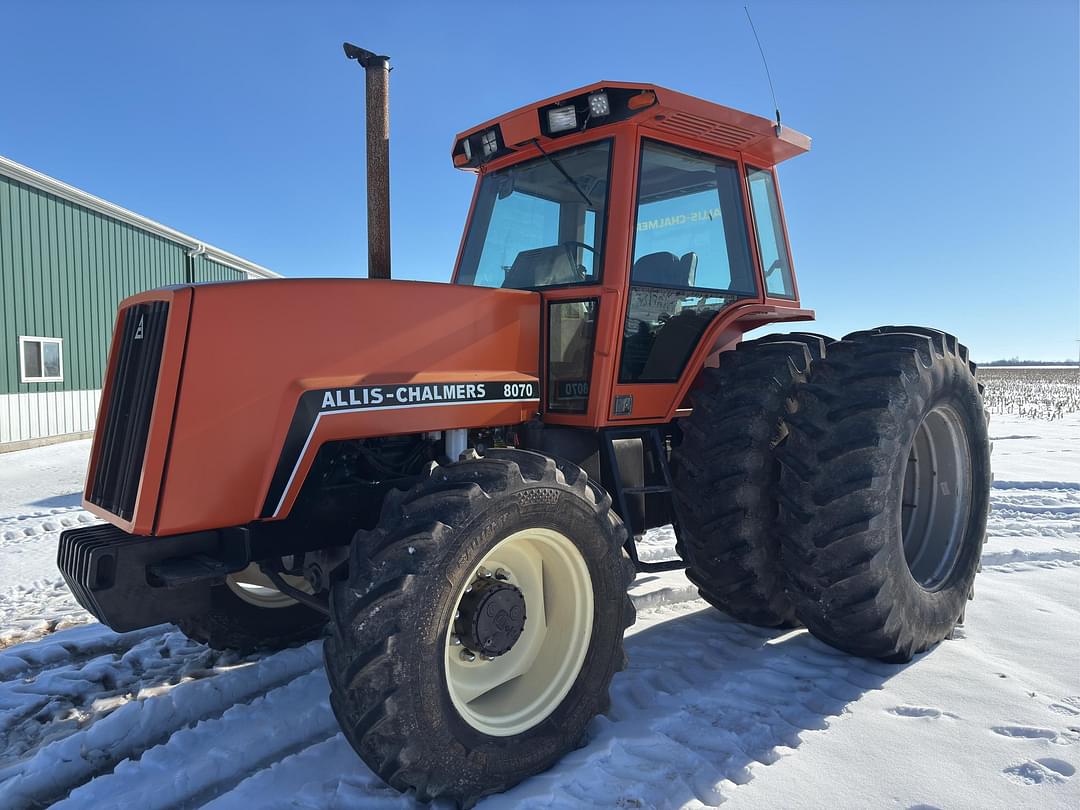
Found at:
[60, 501]
[704, 703]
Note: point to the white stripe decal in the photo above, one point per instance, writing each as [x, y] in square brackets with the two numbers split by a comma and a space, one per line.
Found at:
[315, 426]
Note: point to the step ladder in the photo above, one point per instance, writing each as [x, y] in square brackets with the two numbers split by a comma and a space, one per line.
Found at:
[653, 445]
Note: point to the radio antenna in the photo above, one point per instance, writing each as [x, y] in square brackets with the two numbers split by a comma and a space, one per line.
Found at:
[779, 127]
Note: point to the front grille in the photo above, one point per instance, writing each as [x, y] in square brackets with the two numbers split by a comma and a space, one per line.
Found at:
[126, 419]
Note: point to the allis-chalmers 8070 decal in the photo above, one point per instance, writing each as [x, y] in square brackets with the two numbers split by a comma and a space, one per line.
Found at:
[314, 405]
[385, 396]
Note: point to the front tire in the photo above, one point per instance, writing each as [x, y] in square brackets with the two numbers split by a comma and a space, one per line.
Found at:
[885, 486]
[514, 529]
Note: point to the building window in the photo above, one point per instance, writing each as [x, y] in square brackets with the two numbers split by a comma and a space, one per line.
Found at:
[42, 359]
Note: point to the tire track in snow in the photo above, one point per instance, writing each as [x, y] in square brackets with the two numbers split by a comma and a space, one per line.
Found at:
[1029, 522]
[313, 778]
[1018, 559]
[78, 644]
[79, 678]
[155, 712]
[35, 610]
[30, 610]
[30, 527]
[245, 740]
[1067, 485]
[54, 674]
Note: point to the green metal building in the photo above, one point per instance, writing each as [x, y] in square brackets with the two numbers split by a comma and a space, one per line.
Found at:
[67, 259]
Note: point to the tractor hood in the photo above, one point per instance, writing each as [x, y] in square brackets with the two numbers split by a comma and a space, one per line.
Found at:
[255, 376]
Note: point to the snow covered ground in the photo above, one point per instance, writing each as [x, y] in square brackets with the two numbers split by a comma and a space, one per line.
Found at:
[710, 711]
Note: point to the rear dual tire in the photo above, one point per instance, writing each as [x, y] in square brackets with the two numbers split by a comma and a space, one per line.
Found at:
[841, 485]
[727, 475]
[885, 492]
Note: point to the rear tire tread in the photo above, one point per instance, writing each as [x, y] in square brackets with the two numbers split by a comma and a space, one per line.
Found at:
[726, 475]
[834, 519]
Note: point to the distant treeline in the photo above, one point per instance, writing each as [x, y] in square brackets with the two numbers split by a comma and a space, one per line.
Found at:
[1016, 361]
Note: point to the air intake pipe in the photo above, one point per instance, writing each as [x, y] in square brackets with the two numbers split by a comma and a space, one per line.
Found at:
[377, 82]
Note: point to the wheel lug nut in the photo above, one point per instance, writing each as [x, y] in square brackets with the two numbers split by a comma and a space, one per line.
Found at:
[483, 573]
[501, 574]
[468, 656]
[455, 641]
[486, 657]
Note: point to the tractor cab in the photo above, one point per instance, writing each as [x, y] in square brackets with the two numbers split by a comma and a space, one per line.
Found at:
[648, 220]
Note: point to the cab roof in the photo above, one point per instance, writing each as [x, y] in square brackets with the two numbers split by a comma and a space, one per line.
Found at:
[666, 111]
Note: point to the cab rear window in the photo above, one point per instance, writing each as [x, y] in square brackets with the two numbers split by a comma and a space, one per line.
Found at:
[775, 259]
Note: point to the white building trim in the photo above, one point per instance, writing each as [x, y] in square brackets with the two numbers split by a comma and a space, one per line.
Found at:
[41, 414]
[24, 174]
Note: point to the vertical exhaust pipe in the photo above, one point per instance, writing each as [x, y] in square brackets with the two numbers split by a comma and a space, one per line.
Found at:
[377, 83]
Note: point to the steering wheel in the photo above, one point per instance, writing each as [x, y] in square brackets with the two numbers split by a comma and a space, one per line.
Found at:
[579, 269]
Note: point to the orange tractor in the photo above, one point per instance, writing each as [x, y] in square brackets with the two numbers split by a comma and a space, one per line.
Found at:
[450, 480]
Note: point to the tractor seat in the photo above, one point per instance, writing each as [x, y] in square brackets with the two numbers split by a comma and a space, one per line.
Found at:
[666, 269]
[540, 267]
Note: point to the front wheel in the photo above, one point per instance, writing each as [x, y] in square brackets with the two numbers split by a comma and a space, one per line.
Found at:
[480, 625]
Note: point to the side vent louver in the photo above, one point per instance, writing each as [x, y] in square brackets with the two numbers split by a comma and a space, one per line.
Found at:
[125, 422]
[693, 126]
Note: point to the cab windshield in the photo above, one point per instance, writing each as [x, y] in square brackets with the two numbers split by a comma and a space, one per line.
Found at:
[540, 223]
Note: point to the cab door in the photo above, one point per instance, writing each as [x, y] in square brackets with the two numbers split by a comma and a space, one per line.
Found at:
[691, 260]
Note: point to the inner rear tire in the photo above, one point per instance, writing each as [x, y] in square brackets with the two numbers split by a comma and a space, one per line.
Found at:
[885, 492]
[248, 617]
[423, 710]
[726, 475]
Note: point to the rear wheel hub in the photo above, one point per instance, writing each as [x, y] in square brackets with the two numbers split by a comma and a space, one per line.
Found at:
[492, 617]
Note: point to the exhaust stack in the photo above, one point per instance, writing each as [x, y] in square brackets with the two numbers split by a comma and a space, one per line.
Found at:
[377, 84]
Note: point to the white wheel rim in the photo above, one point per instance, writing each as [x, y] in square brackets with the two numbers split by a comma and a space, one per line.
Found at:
[253, 587]
[514, 692]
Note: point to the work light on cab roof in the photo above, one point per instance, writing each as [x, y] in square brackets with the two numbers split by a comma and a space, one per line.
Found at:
[606, 103]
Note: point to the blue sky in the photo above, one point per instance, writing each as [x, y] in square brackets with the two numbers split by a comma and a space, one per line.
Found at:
[942, 187]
